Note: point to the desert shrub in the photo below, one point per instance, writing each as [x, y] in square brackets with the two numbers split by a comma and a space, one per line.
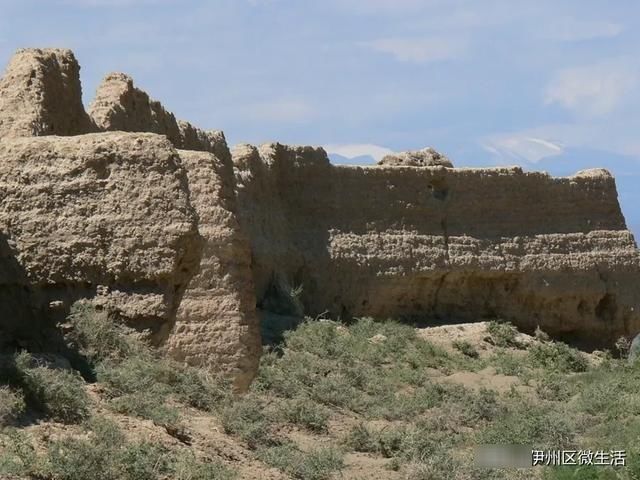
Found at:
[361, 438]
[248, 419]
[426, 438]
[557, 356]
[97, 337]
[160, 378]
[406, 406]
[530, 424]
[143, 461]
[479, 406]
[508, 363]
[421, 354]
[57, 393]
[146, 405]
[335, 390]
[136, 380]
[391, 440]
[200, 389]
[357, 343]
[318, 464]
[306, 413]
[612, 391]
[356, 368]
[503, 334]
[186, 466]
[554, 387]
[387, 441]
[11, 405]
[18, 455]
[102, 453]
[440, 465]
[466, 348]
[127, 365]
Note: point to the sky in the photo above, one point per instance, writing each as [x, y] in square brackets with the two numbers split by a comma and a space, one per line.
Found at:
[549, 85]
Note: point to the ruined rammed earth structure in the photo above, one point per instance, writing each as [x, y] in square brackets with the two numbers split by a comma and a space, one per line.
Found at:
[159, 223]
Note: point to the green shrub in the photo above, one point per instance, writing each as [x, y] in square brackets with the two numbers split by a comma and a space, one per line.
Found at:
[530, 424]
[187, 467]
[554, 387]
[18, 456]
[361, 439]
[408, 405]
[612, 392]
[318, 464]
[439, 465]
[306, 413]
[247, 418]
[425, 438]
[557, 356]
[146, 405]
[128, 366]
[142, 385]
[391, 440]
[387, 441]
[507, 363]
[503, 334]
[60, 394]
[11, 405]
[466, 348]
[480, 406]
[97, 337]
[336, 390]
[103, 453]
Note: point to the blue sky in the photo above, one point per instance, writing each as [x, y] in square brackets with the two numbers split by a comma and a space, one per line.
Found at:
[552, 85]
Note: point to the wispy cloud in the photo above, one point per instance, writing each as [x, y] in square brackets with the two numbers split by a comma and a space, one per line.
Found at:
[592, 90]
[573, 30]
[358, 150]
[521, 147]
[418, 50]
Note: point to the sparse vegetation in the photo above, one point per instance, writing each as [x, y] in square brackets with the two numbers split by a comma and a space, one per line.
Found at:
[56, 393]
[11, 405]
[466, 348]
[557, 356]
[317, 464]
[375, 389]
[502, 334]
[102, 453]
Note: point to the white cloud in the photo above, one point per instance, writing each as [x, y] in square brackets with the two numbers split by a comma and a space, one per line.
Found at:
[358, 150]
[418, 50]
[572, 30]
[594, 89]
[521, 147]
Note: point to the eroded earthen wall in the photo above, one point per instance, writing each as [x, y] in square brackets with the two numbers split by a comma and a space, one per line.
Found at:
[455, 244]
[103, 216]
[216, 324]
[40, 94]
[120, 105]
[121, 218]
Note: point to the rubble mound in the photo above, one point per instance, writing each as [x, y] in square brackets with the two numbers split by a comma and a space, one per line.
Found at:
[427, 157]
